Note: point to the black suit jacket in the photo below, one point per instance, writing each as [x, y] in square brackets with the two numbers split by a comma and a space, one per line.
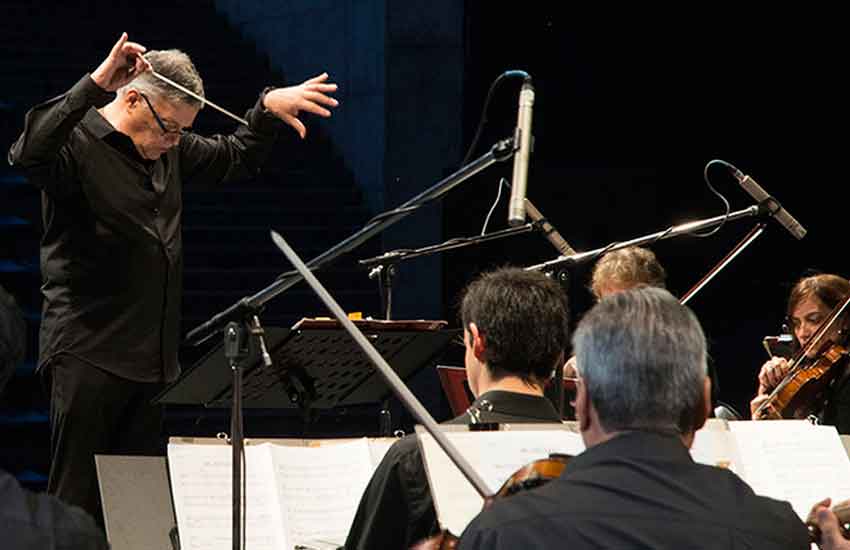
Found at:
[396, 509]
[29, 520]
[639, 490]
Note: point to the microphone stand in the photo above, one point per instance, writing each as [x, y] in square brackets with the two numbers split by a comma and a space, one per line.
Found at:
[385, 268]
[236, 350]
[385, 273]
[242, 318]
[564, 262]
[251, 305]
[392, 379]
[394, 257]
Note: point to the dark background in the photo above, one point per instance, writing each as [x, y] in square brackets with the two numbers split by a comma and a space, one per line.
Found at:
[630, 105]
[629, 108]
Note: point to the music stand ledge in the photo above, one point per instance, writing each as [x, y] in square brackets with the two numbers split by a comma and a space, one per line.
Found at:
[316, 365]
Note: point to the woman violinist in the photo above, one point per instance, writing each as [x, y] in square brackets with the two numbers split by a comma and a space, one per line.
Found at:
[810, 302]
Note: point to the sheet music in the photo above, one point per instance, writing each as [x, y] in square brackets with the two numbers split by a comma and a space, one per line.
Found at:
[378, 447]
[319, 488]
[716, 447]
[495, 456]
[794, 461]
[201, 484]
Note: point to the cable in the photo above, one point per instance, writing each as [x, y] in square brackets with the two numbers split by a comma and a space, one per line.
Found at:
[502, 182]
[716, 192]
[483, 120]
[507, 74]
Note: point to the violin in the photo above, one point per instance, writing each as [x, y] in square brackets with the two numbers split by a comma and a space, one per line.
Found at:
[801, 391]
[530, 476]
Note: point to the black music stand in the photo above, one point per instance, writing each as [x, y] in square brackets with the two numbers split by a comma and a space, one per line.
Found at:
[315, 365]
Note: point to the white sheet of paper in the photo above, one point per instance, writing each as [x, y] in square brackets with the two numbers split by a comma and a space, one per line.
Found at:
[716, 448]
[794, 461]
[495, 456]
[319, 488]
[378, 447]
[201, 484]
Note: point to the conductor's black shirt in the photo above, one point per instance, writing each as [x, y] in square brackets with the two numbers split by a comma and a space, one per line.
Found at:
[112, 249]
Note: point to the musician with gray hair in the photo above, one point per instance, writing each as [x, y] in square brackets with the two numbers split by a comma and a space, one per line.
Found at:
[642, 392]
[111, 157]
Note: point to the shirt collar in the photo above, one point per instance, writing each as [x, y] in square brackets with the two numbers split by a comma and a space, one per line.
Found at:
[519, 405]
[637, 444]
[97, 124]
[103, 130]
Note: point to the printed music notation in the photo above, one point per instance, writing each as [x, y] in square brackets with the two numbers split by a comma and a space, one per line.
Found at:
[295, 495]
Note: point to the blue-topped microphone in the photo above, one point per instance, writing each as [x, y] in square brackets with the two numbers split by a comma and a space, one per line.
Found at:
[516, 73]
[522, 151]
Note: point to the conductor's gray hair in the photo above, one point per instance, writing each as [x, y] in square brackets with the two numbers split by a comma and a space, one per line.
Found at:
[174, 65]
[642, 357]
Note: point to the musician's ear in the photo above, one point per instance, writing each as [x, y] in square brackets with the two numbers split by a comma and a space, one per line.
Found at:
[477, 342]
[582, 405]
[703, 410]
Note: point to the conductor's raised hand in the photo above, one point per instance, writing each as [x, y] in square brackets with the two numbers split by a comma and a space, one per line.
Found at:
[121, 66]
[311, 96]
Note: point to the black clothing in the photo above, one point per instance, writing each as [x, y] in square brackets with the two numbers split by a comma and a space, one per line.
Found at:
[28, 520]
[638, 490]
[836, 410]
[13, 336]
[111, 262]
[111, 252]
[396, 509]
[95, 412]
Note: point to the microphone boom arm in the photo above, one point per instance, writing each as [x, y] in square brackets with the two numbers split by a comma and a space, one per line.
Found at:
[670, 232]
[501, 151]
[398, 256]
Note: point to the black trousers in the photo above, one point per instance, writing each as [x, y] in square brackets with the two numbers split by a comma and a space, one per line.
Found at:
[95, 412]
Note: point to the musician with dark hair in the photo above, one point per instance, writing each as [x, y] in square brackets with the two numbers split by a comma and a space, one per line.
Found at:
[810, 302]
[111, 157]
[642, 392]
[515, 326]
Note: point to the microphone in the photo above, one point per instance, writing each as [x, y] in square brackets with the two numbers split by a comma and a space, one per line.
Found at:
[773, 207]
[522, 148]
[549, 230]
[514, 73]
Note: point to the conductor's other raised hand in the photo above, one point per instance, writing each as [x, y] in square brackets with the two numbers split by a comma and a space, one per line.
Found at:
[311, 96]
[121, 66]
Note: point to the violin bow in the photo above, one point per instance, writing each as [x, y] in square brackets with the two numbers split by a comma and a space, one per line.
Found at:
[754, 233]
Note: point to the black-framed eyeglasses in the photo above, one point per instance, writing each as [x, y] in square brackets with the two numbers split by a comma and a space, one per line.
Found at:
[165, 129]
